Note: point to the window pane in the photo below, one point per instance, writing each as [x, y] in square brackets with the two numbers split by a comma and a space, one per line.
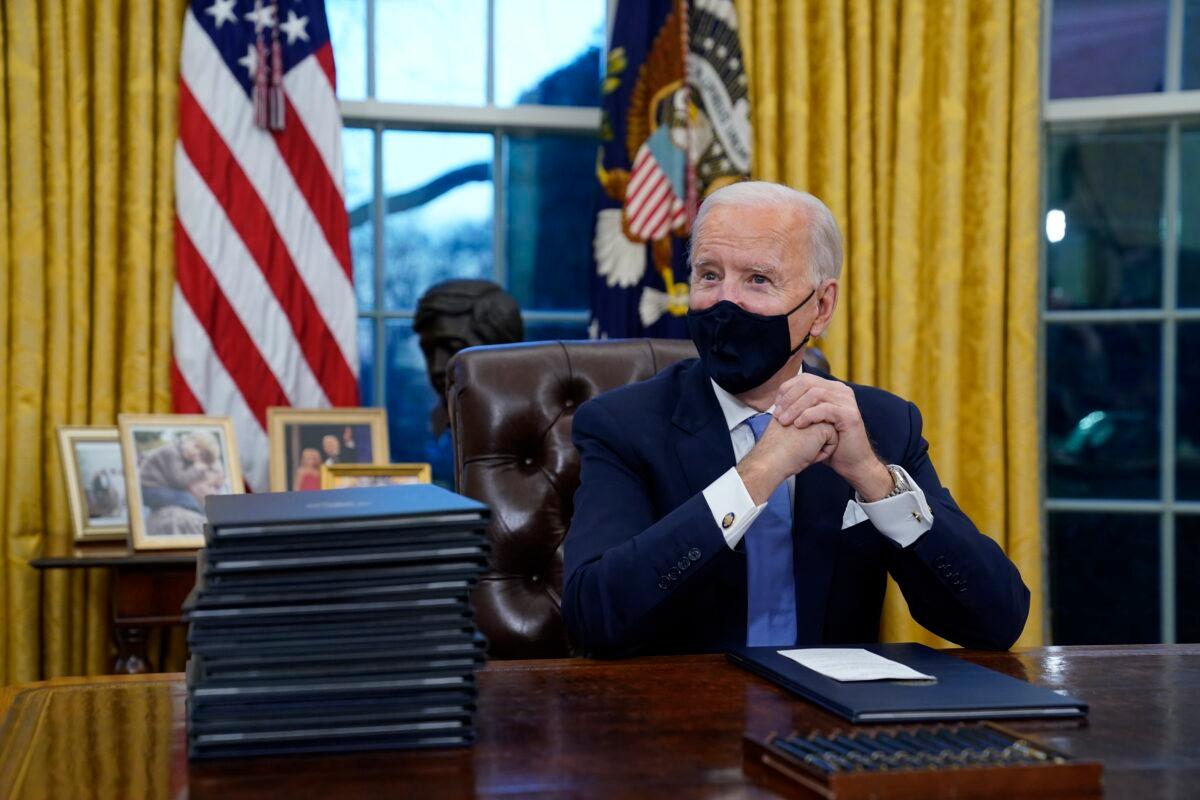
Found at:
[1102, 408]
[549, 210]
[1105, 47]
[439, 203]
[348, 31]
[564, 68]
[1191, 45]
[1189, 216]
[1104, 219]
[1187, 588]
[366, 363]
[549, 331]
[1187, 438]
[1090, 555]
[358, 159]
[409, 402]
[431, 51]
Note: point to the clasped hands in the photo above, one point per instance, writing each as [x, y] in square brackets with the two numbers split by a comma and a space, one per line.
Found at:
[815, 420]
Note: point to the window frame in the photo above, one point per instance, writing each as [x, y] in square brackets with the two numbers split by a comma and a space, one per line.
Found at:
[501, 122]
[1172, 108]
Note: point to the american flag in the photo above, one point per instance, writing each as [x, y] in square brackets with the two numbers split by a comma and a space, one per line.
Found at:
[264, 310]
[654, 198]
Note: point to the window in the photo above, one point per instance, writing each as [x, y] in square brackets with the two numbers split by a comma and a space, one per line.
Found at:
[1121, 320]
[469, 147]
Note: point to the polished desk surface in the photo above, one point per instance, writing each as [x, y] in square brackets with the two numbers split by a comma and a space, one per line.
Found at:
[637, 728]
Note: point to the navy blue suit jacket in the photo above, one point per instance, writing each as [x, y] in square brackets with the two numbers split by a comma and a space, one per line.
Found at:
[648, 570]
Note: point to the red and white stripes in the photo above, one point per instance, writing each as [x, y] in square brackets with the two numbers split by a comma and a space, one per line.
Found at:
[264, 310]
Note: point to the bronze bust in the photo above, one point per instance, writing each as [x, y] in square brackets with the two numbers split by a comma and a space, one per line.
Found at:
[457, 314]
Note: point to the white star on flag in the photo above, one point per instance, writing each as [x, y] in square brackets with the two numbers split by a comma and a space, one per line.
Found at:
[295, 27]
[222, 12]
[262, 16]
[250, 60]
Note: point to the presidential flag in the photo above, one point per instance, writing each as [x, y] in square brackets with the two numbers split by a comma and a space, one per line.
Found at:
[675, 126]
[264, 310]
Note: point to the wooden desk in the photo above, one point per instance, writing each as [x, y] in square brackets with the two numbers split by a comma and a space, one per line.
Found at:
[640, 728]
[148, 592]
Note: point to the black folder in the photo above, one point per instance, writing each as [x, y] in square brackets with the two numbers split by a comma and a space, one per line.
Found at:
[963, 691]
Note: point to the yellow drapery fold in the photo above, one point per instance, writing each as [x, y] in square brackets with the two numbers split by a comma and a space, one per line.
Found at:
[917, 123]
[86, 224]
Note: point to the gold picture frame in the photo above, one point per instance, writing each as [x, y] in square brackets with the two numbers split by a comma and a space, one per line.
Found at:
[344, 476]
[94, 473]
[173, 461]
[359, 436]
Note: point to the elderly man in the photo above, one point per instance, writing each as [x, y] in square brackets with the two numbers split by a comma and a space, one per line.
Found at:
[738, 499]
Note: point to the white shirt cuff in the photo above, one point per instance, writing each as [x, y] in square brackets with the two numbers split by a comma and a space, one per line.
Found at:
[731, 505]
[903, 518]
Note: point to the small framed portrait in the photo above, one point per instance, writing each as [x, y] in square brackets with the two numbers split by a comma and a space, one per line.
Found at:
[95, 478]
[346, 476]
[172, 463]
[303, 440]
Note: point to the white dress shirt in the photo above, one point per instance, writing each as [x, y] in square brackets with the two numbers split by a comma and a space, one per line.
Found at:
[902, 518]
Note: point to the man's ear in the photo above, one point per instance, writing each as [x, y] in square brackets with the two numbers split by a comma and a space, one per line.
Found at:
[827, 296]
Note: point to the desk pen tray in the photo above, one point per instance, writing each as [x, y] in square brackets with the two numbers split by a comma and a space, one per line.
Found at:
[917, 761]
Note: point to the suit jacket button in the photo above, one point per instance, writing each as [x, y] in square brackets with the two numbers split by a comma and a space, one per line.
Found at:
[960, 587]
[673, 573]
[940, 561]
[694, 554]
[683, 564]
[728, 519]
[663, 583]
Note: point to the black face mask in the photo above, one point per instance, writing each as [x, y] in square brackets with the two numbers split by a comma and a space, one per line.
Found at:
[741, 349]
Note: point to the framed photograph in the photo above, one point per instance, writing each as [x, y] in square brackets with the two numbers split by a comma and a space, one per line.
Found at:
[95, 478]
[345, 476]
[303, 440]
[172, 462]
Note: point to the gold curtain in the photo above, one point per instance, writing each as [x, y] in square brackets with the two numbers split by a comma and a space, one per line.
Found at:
[86, 238]
[916, 121]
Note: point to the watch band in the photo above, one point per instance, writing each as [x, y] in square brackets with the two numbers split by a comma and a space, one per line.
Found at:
[901, 482]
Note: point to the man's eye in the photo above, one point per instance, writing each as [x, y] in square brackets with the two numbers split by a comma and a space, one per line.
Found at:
[759, 279]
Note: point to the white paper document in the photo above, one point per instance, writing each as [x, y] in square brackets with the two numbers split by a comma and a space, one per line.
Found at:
[854, 664]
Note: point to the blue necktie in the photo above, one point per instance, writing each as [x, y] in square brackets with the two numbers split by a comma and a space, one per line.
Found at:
[771, 584]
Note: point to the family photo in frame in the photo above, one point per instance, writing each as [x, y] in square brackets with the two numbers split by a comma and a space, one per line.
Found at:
[304, 440]
[95, 482]
[172, 463]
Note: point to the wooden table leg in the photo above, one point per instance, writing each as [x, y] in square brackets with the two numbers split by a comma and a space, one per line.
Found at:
[131, 650]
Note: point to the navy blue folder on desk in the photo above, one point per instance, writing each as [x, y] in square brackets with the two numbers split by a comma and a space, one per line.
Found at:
[963, 691]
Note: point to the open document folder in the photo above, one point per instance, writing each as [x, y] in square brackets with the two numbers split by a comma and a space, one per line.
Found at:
[951, 688]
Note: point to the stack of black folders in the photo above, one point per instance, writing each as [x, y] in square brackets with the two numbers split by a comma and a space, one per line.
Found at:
[335, 621]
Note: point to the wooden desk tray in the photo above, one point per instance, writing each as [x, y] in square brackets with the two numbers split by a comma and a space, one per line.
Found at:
[917, 761]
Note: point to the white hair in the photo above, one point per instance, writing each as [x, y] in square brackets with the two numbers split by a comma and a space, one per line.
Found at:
[824, 236]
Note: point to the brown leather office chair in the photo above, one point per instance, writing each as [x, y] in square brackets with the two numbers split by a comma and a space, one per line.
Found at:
[511, 407]
[510, 418]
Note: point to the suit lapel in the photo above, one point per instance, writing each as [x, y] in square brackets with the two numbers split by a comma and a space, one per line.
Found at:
[702, 440]
[820, 502]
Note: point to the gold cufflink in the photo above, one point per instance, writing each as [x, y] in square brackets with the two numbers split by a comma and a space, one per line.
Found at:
[727, 520]
[916, 516]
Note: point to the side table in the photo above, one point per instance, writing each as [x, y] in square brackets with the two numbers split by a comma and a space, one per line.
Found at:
[148, 592]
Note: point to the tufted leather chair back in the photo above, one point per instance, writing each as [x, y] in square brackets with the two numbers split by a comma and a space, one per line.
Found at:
[511, 407]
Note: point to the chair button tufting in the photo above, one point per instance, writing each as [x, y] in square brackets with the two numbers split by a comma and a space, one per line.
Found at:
[528, 462]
